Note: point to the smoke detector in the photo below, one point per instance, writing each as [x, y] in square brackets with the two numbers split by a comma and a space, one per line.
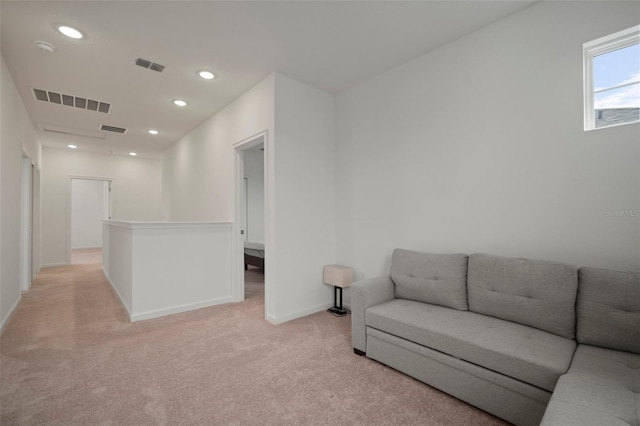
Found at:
[45, 47]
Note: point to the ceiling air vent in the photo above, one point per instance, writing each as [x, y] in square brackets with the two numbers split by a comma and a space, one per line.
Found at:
[113, 129]
[69, 100]
[41, 95]
[144, 63]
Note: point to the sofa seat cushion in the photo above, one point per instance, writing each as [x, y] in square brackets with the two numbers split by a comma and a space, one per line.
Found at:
[515, 350]
[602, 387]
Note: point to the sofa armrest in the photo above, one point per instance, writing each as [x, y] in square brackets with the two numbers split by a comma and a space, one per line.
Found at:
[364, 294]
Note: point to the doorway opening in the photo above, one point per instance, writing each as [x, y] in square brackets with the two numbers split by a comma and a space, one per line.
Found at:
[90, 205]
[252, 243]
[253, 221]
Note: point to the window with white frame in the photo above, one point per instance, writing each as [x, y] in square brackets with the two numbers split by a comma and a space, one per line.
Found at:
[612, 80]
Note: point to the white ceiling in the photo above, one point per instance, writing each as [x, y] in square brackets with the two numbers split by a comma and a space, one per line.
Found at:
[328, 44]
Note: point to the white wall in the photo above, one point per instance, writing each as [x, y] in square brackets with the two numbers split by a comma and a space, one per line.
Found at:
[305, 197]
[198, 184]
[135, 193]
[117, 262]
[16, 134]
[254, 172]
[196, 265]
[198, 170]
[479, 147]
[87, 212]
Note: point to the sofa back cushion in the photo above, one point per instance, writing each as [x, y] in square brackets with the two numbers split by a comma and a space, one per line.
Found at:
[439, 279]
[609, 309]
[536, 293]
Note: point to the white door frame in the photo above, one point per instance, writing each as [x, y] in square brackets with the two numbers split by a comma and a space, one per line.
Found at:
[36, 226]
[269, 220]
[108, 203]
[26, 224]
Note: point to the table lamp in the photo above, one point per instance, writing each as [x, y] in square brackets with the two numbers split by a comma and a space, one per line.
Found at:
[339, 277]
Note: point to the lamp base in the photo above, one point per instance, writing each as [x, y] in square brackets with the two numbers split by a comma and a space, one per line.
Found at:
[337, 309]
[338, 312]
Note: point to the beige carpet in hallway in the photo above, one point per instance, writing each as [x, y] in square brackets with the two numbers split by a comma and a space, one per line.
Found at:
[88, 255]
[70, 357]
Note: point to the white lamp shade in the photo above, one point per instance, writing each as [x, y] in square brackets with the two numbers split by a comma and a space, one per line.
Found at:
[338, 275]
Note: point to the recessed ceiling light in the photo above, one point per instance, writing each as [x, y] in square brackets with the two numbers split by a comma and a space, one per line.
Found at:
[72, 146]
[152, 131]
[207, 75]
[45, 47]
[133, 154]
[70, 32]
[180, 102]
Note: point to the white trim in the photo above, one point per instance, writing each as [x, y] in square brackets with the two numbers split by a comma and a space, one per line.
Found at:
[270, 274]
[238, 239]
[619, 86]
[54, 265]
[10, 315]
[70, 206]
[613, 41]
[166, 225]
[36, 225]
[165, 311]
[26, 222]
[298, 314]
[251, 141]
[90, 177]
[606, 44]
[179, 309]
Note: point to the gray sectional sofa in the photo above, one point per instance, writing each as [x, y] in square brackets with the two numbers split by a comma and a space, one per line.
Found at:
[529, 341]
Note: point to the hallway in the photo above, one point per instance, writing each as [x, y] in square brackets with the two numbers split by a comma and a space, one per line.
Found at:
[84, 256]
[71, 356]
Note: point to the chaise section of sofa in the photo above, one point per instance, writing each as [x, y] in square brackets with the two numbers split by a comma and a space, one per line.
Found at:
[602, 386]
[495, 332]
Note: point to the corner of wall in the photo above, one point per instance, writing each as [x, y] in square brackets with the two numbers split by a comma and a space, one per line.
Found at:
[9, 316]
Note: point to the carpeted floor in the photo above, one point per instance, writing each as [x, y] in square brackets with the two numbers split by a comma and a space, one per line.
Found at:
[70, 357]
[87, 255]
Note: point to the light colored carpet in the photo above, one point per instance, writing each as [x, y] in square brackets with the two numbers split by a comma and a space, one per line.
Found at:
[88, 255]
[70, 357]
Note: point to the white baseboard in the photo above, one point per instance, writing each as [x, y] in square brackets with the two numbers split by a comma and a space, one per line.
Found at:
[156, 313]
[53, 265]
[115, 290]
[179, 309]
[10, 314]
[299, 314]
